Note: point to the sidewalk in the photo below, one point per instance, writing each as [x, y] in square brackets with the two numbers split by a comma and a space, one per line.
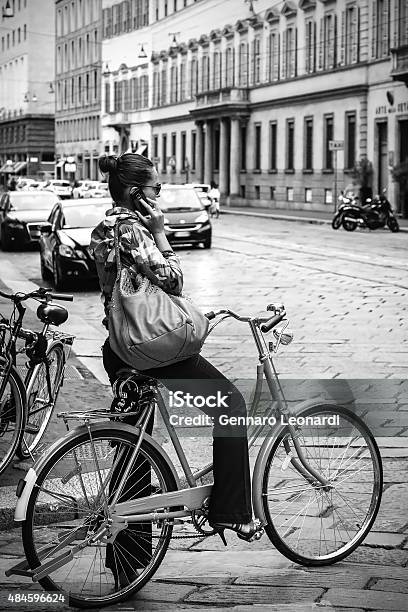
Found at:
[303, 216]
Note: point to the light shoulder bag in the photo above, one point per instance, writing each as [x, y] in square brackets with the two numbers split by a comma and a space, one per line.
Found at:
[148, 328]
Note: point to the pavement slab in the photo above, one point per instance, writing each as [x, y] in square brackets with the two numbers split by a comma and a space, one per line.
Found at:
[366, 599]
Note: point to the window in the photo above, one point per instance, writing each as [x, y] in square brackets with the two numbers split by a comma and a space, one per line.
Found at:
[289, 52]
[272, 193]
[327, 46]
[229, 67]
[25, 31]
[165, 8]
[135, 93]
[205, 73]
[310, 46]
[289, 194]
[257, 192]
[273, 129]
[290, 142]
[173, 144]
[256, 60]
[273, 56]
[193, 150]
[258, 145]
[381, 28]
[183, 151]
[350, 140]
[193, 77]
[243, 64]
[402, 23]
[173, 84]
[351, 42]
[155, 145]
[328, 196]
[19, 35]
[327, 137]
[164, 153]
[243, 147]
[308, 144]
[308, 194]
[243, 191]
[156, 88]
[107, 97]
[182, 81]
[216, 70]
[164, 85]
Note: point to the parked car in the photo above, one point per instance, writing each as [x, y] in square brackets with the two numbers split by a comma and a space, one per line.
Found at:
[22, 213]
[62, 188]
[24, 183]
[65, 239]
[99, 191]
[83, 188]
[186, 219]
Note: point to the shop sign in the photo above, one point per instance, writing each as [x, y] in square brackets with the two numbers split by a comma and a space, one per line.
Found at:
[336, 145]
[70, 167]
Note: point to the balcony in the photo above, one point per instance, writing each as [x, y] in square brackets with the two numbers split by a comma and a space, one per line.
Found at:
[233, 100]
[118, 119]
[399, 70]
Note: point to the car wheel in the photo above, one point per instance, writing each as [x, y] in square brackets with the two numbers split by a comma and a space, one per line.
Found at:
[5, 242]
[57, 275]
[207, 243]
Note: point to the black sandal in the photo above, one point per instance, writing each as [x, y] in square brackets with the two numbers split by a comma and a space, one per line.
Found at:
[245, 531]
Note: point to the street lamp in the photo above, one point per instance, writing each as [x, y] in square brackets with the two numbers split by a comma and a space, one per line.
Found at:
[142, 52]
[7, 11]
[174, 43]
[251, 5]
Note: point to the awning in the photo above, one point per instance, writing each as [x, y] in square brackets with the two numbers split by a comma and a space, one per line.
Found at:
[7, 167]
[19, 166]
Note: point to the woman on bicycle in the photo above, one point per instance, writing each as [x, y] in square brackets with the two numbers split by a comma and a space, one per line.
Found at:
[144, 246]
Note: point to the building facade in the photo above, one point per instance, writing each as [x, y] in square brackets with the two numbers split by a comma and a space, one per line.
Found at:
[78, 88]
[26, 88]
[275, 102]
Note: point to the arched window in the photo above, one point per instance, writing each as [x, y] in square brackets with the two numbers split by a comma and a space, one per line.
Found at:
[243, 64]
[183, 81]
[216, 70]
[205, 73]
[229, 76]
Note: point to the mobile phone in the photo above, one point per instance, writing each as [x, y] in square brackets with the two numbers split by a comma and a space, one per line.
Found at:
[138, 197]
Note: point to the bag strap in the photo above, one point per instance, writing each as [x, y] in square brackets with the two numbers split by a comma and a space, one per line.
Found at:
[117, 249]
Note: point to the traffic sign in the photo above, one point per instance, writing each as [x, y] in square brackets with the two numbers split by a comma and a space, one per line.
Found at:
[336, 145]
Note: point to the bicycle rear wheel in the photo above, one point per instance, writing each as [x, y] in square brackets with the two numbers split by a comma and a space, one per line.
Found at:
[11, 418]
[67, 506]
[307, 522]
[39, 402]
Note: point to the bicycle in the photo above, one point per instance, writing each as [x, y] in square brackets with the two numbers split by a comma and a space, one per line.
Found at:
[26, 405]
[104, 499]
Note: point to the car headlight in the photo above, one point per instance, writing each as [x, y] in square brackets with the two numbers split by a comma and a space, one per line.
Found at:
[16, 224]
[202, 218]
[67, 251]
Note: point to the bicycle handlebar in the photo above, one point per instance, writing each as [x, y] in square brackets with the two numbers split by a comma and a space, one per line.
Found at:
[41, 292]
[267, 323]
[272, 322]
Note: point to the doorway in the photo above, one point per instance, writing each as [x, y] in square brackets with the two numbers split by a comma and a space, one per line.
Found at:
[403, 157]
[382, 160]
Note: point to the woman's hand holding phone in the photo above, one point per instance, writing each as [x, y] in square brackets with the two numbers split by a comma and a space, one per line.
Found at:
[154, 221]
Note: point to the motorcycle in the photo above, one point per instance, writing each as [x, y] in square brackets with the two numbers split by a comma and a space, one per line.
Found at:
[374, 214]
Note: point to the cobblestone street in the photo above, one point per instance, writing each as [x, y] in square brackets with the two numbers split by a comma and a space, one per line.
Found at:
[346, 300]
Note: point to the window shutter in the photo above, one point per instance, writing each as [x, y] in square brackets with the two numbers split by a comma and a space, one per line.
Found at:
[374, 29]
[284, 67]
[295, 53]
[308, 46]
[342, 55]
[321, 43]
[314, 45]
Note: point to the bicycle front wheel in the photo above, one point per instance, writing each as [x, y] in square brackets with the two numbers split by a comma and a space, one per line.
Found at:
[11, 417]
[71, 503]
[41, 398]
[313, 524]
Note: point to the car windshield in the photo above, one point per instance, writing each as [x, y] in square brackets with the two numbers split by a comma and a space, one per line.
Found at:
[83, 216]
[29, 201]
[179, 199]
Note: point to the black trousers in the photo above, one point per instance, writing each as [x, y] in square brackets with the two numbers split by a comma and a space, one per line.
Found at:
[231, 494]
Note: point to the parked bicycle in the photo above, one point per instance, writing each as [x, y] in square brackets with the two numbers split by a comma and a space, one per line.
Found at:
[26, 405]
[109, 489]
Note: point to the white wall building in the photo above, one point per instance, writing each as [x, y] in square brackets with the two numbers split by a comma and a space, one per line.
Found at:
[252, 97]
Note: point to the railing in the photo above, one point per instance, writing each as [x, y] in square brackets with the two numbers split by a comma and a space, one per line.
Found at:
[118, 118]
[210, 98]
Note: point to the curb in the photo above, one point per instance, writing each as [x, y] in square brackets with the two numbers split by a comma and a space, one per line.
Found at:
[278, 217]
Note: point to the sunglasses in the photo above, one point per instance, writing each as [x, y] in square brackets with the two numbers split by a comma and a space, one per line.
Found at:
[157, 187]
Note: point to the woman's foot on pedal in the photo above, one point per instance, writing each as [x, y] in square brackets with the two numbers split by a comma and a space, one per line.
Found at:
[245, 531]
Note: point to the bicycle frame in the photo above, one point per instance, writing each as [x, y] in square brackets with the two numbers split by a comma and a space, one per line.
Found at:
[145, 508]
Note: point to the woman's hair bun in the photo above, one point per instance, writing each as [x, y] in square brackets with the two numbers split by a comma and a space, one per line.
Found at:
[108, 163]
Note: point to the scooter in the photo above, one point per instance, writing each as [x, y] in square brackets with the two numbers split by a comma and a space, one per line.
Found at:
[375, 214]
[347, 202]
